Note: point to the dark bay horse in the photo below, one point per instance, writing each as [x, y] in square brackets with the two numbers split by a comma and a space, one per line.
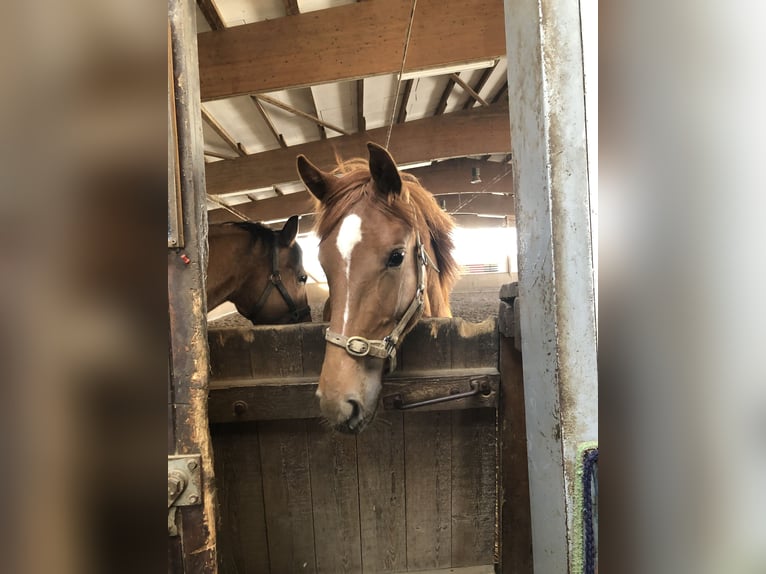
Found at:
[386, 250]
[259, 270]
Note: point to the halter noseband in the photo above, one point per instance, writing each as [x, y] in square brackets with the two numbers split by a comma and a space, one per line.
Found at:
[386, 348]
[275, 280]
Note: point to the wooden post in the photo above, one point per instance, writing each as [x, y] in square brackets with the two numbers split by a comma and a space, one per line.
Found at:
[557, 313]
[515, 520]
[194, 550]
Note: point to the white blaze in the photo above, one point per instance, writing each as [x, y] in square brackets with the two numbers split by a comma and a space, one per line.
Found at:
[349, 235]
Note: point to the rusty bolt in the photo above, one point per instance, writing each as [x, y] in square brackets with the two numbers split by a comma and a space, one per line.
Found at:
[192, 465]
[194, 499]
[240, 408]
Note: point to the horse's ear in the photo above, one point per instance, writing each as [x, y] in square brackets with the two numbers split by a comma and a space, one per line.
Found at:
[289, 231]
[383, 169]
[315, 179]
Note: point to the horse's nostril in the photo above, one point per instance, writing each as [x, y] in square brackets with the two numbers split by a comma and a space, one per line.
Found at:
[356, 410]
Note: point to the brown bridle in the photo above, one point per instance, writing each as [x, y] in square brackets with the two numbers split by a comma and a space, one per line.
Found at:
[385, 348]
[275, 281]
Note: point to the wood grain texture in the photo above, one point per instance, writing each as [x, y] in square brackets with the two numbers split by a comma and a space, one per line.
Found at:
[276, 353]
[251, 58]
[294, 398]
[445, 180]
[335, 497]
[230, 353]
[287, 496]
[428, 470]
[474, 487]
[515, 515]
[381, 494]
[467, 132]
[243, 544]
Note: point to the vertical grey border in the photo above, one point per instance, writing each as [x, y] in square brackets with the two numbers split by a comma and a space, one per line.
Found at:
[547, 115]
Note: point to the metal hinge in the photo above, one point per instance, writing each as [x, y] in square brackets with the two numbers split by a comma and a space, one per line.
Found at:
[184, 485]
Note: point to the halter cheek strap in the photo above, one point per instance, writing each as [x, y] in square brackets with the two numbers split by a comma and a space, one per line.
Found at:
[275, 281]
[386, 348]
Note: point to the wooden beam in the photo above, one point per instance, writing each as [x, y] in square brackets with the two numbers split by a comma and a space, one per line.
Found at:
[361, 123]
[219, 129]
[251, 58]
[291, 7]
[472, 94]
[469, 132]
[442, 105]
[454, 176]
[218, 155]
[449, 181]
[211, 14]
[278, 136]
[297, 112]
[402, 115]
[501, 93]
[280, 207]
[479, 85]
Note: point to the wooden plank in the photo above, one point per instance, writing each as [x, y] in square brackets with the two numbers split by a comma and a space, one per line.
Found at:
[313, 348]
[466, 132]
[472, 95]
[189, 359]
[401, 115]
[361, 123]
[448, 180]
[515, 518]
[474, 487]
[474, 344]
[479, 85]
[454, 198]
[276, 399]
[431, 384]
[210, 12]
[428, 468]
[484, 569]
[230, 353]
[276, 351]
[442, 34]
[427, 346]
[334, 488]
[242, 532]
[293, 398]
[222, 133]
[382, 520]
[442, 105]
[300, 113]
[287, 496]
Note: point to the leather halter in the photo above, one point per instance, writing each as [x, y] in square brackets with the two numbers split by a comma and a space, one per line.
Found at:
[275, 281]
[386, 348]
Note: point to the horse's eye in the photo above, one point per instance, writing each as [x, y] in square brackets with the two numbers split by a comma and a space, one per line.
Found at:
[396, 258]
[302, 278]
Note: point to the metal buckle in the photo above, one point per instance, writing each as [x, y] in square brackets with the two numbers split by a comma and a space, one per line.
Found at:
[275, 277]
[363, 348]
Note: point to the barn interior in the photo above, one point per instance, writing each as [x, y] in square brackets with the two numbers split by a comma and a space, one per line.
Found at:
[473, 453]
[400, 79]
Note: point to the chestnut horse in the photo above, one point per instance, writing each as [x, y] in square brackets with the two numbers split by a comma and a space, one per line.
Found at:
[259, 270]
[385, 247]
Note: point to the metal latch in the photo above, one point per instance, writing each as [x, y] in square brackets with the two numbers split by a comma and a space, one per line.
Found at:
[184, 485]
[477, 387]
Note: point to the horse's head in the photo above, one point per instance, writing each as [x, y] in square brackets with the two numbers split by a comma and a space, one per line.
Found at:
[377, 267]
[260, 271]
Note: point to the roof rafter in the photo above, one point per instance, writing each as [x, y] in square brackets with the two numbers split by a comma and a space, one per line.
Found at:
[228, 68]
[468, 132]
